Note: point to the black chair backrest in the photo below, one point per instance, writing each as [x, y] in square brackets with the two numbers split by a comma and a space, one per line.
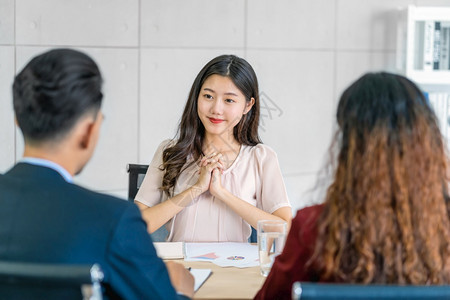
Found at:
[136, 174]
[328, 291]
[22, 280]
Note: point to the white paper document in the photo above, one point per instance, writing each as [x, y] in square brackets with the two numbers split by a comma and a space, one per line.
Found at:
[240, 255]
[170, 250]
[200, 276]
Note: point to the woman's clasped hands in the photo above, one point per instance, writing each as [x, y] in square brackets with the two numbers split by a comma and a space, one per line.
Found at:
[211, 168]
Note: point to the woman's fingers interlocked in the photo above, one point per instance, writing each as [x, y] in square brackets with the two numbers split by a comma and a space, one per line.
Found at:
[214, 160]
[208, 164]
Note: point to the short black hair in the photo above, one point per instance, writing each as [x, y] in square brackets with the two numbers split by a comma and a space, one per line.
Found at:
[53, 91]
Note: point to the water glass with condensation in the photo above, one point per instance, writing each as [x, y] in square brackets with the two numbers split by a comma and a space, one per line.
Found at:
[271, 239]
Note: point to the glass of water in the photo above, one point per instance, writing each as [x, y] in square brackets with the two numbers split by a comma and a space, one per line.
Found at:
[271, 238]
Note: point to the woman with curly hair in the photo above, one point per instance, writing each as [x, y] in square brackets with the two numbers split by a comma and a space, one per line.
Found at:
[385, 218]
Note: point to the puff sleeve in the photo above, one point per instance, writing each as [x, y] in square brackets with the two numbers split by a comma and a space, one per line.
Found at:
[149, 192]
[271, 193]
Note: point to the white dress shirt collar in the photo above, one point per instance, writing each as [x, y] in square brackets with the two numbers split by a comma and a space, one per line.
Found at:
[49, 164]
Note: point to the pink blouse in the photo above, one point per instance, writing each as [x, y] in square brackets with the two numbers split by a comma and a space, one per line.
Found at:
[254, 177]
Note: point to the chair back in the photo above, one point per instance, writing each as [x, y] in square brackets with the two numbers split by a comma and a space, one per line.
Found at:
[328, 291]
[22, 280]
[136, 174]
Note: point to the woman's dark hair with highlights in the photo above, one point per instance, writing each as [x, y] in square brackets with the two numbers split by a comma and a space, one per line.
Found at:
[386, 213]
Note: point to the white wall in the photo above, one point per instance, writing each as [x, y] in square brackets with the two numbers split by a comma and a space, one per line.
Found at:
[304, 53]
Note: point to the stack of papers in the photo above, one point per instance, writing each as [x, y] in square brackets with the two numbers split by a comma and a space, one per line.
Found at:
[173, 250]
[240, 255]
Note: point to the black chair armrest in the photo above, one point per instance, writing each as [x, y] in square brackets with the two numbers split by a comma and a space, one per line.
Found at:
[23, 280]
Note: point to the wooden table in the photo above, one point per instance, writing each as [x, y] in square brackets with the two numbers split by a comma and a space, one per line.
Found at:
[227, 283]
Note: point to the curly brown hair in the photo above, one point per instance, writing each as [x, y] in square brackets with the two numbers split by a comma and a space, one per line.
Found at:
[386, 214]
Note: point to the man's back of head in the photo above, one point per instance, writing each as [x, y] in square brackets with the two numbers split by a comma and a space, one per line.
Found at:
[53, 91]
[57, 98]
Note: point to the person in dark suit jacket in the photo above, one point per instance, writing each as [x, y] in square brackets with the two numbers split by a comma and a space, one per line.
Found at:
[44, 217]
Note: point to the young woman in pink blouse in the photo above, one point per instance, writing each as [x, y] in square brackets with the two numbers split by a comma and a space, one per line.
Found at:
[216, 179]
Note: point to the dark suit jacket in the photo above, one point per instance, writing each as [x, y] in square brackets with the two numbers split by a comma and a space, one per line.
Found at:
[43, 218]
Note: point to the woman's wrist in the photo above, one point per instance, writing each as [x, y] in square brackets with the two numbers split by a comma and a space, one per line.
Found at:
[196, 190]
[185, 198]
[221, 193]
